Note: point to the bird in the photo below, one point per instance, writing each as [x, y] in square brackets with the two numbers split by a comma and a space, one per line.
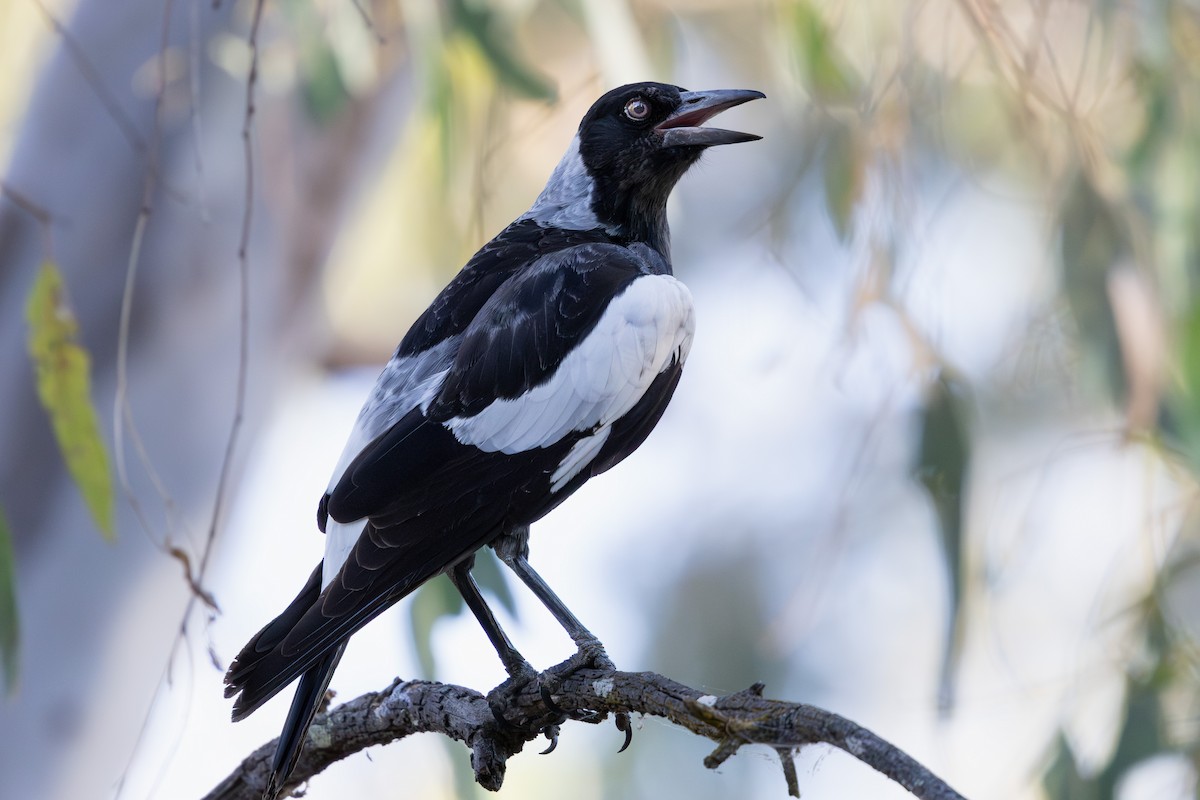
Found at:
[544, 362]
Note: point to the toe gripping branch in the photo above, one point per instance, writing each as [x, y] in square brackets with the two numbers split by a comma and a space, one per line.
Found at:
[545, 716]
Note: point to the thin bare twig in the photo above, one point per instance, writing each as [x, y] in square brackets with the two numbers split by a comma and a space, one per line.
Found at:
[123, 421]
[732, 721]
[41, 215]
[368, 22]
[243, 297]
[122, 120]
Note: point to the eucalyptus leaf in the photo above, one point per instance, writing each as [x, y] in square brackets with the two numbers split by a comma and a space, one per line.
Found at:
[942, 463]
[1093, 242]
[491, 578]
[845, 168]
[62, 370]
[9, 622]
[1184, 400]
[481, 24]
[825, 72]
[434, 600]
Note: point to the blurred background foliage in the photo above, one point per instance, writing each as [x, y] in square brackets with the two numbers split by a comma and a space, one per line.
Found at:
[883, 115]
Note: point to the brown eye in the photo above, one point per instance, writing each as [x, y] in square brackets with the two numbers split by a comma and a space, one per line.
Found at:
[637, 109]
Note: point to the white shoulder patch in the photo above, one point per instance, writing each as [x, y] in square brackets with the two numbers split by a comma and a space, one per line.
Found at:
[598, 382]
[566, 202]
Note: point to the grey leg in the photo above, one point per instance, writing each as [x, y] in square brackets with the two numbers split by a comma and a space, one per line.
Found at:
[514, 663]
[513, 548]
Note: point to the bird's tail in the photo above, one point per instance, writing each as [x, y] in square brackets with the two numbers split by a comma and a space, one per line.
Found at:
[310, 692]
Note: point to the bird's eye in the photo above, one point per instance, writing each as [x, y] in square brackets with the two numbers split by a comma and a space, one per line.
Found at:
[637, 109]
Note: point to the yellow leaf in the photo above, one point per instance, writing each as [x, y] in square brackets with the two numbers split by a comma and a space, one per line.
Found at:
[63, 386]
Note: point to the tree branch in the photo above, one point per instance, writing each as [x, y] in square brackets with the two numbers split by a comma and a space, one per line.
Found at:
[731, 721]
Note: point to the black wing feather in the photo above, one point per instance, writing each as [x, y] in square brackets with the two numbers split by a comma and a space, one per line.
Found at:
[513, 249]
[530, 324]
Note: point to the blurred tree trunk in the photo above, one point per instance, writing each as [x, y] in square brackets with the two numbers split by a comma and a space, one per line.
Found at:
[91, 612]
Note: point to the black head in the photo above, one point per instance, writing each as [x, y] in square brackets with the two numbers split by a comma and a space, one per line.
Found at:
[637, 141]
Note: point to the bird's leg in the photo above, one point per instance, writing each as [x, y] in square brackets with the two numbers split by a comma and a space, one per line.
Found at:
[520, 673]
[513, 549]
[514, 663]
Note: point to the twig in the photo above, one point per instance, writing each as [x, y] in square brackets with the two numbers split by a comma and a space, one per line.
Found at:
[112, 106]
[462, 714]
[243, 295]
[42, 216]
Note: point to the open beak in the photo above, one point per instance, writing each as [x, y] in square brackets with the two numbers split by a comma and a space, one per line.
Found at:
[682, 129]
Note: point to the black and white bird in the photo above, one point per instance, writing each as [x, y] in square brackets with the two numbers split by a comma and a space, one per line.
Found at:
[546, 360]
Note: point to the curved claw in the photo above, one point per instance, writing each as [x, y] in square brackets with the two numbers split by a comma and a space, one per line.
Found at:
[626, 725]
[548, 699]
[551, 732]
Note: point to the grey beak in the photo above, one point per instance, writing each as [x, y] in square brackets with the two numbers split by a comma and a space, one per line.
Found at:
[682, 129]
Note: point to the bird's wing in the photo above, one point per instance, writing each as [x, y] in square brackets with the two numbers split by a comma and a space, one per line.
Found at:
[563, 349]
[540, 377]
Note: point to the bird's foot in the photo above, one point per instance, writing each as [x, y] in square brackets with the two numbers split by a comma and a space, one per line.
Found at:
[591, 655]
[520, 675]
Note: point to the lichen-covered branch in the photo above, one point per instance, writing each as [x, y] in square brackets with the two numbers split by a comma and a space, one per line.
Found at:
[730, 721]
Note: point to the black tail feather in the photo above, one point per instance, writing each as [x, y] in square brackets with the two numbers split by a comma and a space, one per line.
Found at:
[242, 671]
[309, 694]
[318, 621]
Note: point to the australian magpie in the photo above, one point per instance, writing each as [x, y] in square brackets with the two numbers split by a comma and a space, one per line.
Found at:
[545, 361]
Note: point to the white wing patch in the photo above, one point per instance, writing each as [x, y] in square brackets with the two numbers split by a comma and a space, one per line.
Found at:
[579, 456]
[598, 382]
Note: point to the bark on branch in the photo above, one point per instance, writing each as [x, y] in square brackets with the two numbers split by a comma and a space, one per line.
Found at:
[734, 720]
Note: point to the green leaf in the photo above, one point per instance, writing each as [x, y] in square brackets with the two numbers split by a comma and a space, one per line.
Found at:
[435, 599]
[491, 579]
[826, 75]
[481, 25]
[845, 168]
[1140, 738]
[1093, 241]
[324, 90]
[63, 386]
[9, 623]
[322, 84]
[942, 467]
[1184, 400]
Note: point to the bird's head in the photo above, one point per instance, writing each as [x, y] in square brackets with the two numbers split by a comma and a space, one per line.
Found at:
[632, 147]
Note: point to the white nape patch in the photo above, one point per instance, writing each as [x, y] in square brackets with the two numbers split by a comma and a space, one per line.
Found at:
[603, 687]
[566, 202]
[578, 457]
[340, 538]
[707, 700]
[599, 381]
